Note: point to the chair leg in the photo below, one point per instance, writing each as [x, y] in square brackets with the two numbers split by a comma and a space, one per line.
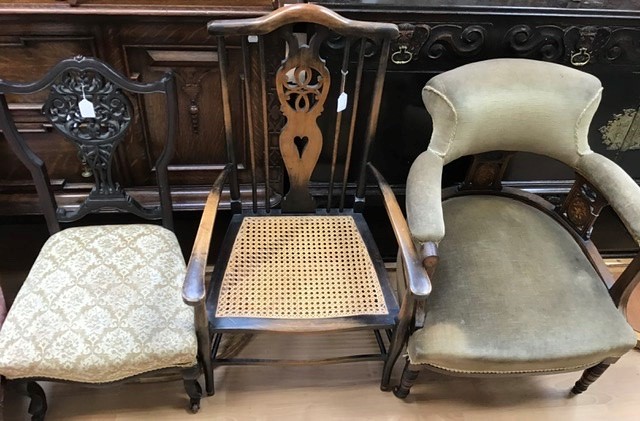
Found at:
[193, 388]
[208, 375]
[395, 348]
[589, 376]
[38, 404]
[204, 347]
[409, 376]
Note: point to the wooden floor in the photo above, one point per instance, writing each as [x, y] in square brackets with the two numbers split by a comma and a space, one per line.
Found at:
[337, 392]
[348, 391]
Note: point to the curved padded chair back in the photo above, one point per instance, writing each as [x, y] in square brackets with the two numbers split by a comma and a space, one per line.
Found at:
[512, 105]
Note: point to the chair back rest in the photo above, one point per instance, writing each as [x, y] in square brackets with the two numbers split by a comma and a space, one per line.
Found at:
[88, 105]
[512, 105]
[309, 107]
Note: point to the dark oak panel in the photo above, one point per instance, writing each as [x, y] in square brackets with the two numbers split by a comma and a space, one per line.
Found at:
[142, 43]
[142, 39]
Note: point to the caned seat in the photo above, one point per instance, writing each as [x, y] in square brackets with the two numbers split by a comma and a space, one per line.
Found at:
[518, 286]
[301, 267]
[100, 304]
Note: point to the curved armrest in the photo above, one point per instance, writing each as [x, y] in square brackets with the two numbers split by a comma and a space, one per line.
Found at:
[424, 198]
[622, 193]
[193, 289]
[419, 282]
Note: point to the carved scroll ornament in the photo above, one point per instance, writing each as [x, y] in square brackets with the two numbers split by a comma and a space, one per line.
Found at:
[576, 45]
[437, 41]
[96, 128]
[112, 108]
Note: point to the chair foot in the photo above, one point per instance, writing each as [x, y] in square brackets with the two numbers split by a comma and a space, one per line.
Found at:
[392, 357]
[386, 387]
[208, 379]
[589, 376]
[38, 404]
[194, 405]
[409, 376]
[193, 388]
[398, 340]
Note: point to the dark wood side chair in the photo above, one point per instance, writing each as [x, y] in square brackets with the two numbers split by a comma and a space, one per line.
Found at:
[518, 287]
[102, 303]
[300, 260]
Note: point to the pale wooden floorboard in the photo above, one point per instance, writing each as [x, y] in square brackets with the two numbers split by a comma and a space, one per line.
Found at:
[348, 391]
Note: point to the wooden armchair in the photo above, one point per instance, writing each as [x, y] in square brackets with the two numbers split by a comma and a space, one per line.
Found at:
[301, 259]
[102, 303]
[518, 287]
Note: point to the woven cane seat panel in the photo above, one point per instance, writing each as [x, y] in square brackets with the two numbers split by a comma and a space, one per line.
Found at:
[300, 267]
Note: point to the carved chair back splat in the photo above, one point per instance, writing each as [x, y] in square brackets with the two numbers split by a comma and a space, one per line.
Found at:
[311, 103]
[88, 106]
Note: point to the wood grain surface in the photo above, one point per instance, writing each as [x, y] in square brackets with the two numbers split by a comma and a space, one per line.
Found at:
[348, 391]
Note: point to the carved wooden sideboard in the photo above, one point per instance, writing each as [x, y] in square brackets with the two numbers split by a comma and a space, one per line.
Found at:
[600, 37]
[142, 42]
[597, 36]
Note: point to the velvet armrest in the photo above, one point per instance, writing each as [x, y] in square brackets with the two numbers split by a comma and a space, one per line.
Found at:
[424, 198]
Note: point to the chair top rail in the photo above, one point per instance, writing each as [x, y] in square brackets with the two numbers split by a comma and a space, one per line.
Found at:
[303, 12]
[81, 63]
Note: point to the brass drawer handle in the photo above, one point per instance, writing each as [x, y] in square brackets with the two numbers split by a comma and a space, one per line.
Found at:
[582, 57]
[402, 56]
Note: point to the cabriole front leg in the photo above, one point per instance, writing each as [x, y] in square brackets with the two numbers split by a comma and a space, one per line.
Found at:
[38, 404]
[193, 388]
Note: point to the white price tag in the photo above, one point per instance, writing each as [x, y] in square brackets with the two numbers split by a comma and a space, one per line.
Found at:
[86, 108]
[342, 102]
[252, 39]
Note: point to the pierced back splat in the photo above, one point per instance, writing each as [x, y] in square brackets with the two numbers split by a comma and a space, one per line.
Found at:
[302, 84]
[293, 124]
[87, 104]
[96, 135]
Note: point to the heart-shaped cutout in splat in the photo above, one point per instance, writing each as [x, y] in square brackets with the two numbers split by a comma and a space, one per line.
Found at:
[301, 144]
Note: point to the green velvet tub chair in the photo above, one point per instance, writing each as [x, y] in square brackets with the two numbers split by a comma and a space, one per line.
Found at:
[518, 288]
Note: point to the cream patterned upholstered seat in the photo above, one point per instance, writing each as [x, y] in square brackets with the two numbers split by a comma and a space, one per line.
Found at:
[100, 304]
[518, 287]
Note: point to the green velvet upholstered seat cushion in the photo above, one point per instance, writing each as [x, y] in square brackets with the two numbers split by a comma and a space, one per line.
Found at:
[514, 292]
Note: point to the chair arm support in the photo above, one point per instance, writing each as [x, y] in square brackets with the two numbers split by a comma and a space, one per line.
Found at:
[418, 279]
[625, 284]
[424, 198]
[622, 193]
[193, 289]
